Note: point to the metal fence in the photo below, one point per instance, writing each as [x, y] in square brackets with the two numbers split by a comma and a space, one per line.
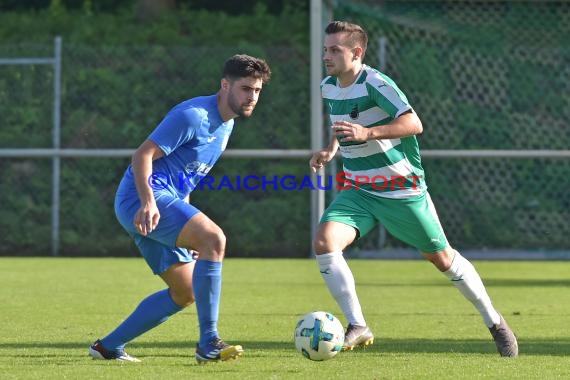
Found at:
[54, 62]
[498, 186]
[101, 129]
[490, 82]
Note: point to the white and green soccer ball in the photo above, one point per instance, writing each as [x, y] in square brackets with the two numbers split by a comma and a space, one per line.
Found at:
[319, 336]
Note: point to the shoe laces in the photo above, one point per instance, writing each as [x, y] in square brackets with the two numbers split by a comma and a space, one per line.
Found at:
[352, 329]
[218, 343]
[499, 330]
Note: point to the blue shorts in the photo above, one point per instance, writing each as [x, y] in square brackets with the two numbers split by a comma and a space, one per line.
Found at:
[159, 247]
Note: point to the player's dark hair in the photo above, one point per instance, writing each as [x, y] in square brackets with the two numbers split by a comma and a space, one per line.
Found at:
[242, 66]
[355, 34]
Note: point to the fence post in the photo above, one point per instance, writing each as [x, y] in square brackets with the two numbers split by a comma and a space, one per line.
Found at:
[317, 196]
[56, 160]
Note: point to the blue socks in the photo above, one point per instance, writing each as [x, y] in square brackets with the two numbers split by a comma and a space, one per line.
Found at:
[156, 308]
[151, 312]
[207, 284]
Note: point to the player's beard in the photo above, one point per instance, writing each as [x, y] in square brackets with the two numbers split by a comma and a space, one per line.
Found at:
[242, 110]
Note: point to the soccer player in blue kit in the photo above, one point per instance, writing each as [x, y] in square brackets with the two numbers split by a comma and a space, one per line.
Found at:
[152, 204]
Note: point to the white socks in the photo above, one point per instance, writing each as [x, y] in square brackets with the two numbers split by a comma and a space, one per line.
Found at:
[465, 278]
[340, 281]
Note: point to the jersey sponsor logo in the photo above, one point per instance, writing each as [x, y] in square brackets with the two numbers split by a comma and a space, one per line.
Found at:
[211, 139]
[378, 182]
[354, 112]
[200, 168]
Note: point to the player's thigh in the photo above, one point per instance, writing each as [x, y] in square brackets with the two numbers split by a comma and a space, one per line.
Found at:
[178, 277]
[160, 257]
[159, 247]
[174, 215]
[347, 218]
[413, 221]
[203, 235]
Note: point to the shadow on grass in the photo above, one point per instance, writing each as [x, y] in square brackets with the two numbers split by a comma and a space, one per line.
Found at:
[555, 282]
[558, 347]
[490, 282]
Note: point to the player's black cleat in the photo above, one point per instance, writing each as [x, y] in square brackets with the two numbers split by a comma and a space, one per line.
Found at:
[97, 351]
[505, 339]
[217, 350]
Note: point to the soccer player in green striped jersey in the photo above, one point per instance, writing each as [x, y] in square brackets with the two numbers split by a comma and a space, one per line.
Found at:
[375, 127]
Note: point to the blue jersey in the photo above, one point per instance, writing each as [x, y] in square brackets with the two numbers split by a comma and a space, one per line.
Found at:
[192, 136]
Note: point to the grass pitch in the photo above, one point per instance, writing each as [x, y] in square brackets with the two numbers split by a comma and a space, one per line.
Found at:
[51, 309]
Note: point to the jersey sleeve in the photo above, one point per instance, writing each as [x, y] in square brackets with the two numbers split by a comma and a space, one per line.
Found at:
[177, 128]
[388, 97]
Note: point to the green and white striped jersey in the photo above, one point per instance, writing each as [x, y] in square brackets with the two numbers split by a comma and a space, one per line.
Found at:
[388, 168]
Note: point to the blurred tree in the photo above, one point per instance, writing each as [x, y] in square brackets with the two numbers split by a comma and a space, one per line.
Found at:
[245, 6]
[10, 5]
[149, 8]
[98, 5]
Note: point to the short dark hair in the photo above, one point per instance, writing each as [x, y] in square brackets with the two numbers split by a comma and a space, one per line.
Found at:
[356, 35]
[242, 65]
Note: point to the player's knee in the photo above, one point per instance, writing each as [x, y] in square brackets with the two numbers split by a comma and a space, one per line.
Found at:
[333, 237]
[218, 240]
[187, 300]
[321, 244]
[318, 247]
[213, 244]
[441, 260]
[182, 297]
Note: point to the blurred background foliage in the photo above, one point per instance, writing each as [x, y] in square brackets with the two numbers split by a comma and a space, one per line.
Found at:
[481, 75]
[124, 66]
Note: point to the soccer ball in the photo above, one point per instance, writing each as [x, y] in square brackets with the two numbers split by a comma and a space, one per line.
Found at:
[319, 336]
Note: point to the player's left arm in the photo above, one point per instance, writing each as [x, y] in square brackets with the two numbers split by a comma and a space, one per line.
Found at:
[407, 124]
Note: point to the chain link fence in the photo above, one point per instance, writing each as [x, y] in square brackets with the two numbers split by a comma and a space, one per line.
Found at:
[482, 75]
[113, 97]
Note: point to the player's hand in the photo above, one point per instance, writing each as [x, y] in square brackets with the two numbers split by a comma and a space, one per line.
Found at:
[320, 159]
[350, 131]
[146, 218]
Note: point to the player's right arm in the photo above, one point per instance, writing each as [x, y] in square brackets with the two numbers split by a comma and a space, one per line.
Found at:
[147, 217]
[323, 157]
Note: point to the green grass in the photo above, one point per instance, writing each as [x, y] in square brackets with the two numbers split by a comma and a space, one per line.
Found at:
[51, 310]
